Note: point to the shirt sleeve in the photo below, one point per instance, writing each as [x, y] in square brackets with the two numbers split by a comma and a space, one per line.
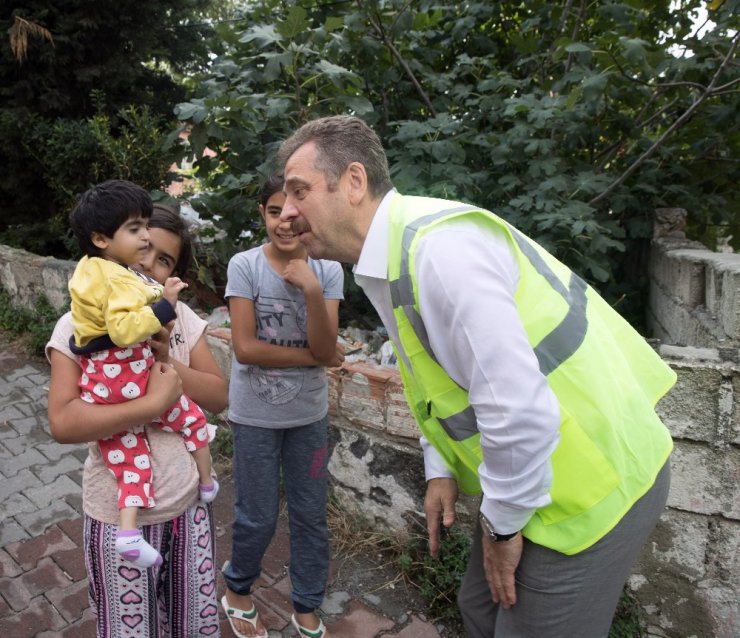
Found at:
[333, 280]
[128, 316]
[467, 281]
[239, 276]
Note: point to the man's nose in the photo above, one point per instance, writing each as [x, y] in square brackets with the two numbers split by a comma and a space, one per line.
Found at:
[289, 212]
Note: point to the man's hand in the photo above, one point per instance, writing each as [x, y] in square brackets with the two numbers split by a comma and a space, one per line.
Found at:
[172, 287]
[500, 561]
[439, 503]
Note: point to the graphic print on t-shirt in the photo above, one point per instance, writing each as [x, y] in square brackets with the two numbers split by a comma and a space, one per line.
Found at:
[271, 386]
[280, 321]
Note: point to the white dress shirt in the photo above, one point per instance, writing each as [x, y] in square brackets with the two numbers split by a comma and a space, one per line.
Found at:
[467, 277]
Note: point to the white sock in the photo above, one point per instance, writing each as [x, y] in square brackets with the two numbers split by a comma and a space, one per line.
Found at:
[208, 492]
[130, 544]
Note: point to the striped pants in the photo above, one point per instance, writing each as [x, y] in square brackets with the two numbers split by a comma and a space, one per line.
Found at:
[175, 600]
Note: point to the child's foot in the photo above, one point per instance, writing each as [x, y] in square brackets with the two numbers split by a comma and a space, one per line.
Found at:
[130, 544]
[208, 492]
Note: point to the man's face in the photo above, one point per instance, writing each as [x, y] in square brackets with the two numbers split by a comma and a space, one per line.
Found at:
[320, 217]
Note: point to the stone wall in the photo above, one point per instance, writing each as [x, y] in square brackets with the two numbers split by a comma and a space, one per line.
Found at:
[688, 577]
[25, 275]
[694, 294]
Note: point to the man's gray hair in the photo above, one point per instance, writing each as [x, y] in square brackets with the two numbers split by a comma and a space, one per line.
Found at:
[341, 140]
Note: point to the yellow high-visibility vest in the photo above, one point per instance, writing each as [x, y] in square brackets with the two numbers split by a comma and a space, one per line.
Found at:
[606, 377]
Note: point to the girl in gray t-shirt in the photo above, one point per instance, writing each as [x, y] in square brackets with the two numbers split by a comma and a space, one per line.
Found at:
[284, 322]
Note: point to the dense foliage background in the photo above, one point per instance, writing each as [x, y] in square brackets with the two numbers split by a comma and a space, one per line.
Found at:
[91, 101]
[572, 119]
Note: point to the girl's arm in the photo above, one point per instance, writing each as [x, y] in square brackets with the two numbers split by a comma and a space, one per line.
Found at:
[249, 349]
[203, 381]
[72, 420]
[322, 314]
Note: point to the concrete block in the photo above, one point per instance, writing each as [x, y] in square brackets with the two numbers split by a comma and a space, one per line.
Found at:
[378, 481]
[734, 433]
[11, 531]
[723, 286]
[667, 572]
[23, 460]
[39, 521]
[682, 273]
[690, 407]
[23, 480]
[723, 606]
[723, 552]
[729, 303]
[705, 480]
[56, 491]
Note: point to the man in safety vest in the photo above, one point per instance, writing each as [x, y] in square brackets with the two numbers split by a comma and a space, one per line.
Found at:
[526, 385]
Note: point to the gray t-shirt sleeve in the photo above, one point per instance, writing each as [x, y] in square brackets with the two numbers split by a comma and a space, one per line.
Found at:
[240, 273]
[331, 277]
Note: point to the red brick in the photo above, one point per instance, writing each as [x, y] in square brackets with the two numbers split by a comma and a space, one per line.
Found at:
[5, 609]
[70, 601]
[27, 553]
[74, 529]
[37, 617]
[360, 622]
[417, 629]
[275, 606]
[83, 627]
[44, 577]
[72, 562]
[8, 567]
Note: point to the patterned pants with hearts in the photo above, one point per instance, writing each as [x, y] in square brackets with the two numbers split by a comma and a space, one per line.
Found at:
[177, 598]
[117, 375]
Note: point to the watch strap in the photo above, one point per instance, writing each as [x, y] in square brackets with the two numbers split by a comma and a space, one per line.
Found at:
[491, 532]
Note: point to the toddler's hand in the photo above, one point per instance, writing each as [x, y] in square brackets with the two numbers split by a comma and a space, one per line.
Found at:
[172, 287]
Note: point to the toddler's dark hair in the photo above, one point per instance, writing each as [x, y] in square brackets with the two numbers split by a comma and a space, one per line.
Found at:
[104, 209]
[168, 218]
[273, 184]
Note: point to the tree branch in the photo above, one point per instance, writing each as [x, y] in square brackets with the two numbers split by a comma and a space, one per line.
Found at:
[397, 54]
[19, 32]
[709, 92]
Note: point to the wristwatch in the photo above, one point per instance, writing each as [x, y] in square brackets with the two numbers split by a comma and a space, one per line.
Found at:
[492, 533]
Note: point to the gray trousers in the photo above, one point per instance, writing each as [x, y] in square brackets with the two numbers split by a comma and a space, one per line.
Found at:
[561, 596]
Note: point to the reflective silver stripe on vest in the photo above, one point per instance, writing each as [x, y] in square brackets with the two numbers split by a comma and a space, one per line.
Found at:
[558, 346]
[555, 348]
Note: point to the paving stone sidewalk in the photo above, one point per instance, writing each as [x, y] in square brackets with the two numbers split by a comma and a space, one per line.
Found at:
[43, 585]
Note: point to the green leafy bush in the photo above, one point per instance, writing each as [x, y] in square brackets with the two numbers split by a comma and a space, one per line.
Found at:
[438, 579]
[72, 155]
[32, 326]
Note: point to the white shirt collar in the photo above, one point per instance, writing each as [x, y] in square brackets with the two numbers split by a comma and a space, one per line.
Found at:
[373, 260]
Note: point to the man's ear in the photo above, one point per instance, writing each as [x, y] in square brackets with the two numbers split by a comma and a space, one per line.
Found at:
[99, 240]
[357, 182]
